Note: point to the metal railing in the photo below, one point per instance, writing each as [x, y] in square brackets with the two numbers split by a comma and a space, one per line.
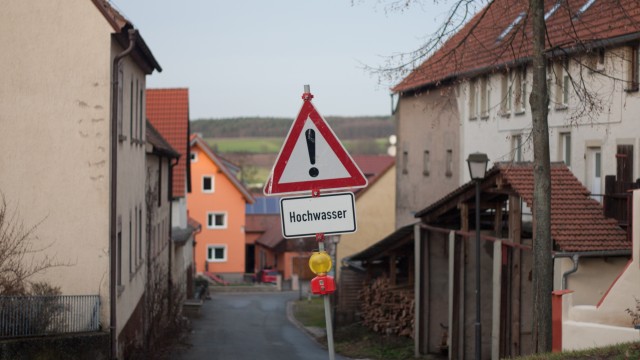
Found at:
[48, 315]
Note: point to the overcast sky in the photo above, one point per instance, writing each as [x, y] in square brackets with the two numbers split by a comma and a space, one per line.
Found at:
[253, 57]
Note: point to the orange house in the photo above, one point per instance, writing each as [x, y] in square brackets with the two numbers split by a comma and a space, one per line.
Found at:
[217, 201]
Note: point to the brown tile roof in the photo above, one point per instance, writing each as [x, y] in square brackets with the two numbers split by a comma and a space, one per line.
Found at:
[477, 47]
[121, 25]
[577, 221]
[372, 167]
[268, 225]
[115, 18]
[168, 111]
[198, 141]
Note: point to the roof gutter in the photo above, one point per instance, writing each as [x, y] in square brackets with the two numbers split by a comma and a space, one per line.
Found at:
[113, 263]
[575, 257]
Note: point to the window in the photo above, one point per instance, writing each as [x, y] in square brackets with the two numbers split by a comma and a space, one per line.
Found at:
[217, 253]
[473, 100]
[217, 220]
[595, 60]
[520, 90]
[505, 104]
[131, 111]
[508, 29]
[561, 89]
[194, 156]
[516, 146]
[405, 160]
[485, 94]
[565, 90]
[121, 136]
[119, 251]
[584, 8]
[160, 183]
[552, 10]
[449, 170]
[208, 185]
[130, 242]
[633, 73]
[141, 111]
[425, 163]
[140, 233]
[565, 143]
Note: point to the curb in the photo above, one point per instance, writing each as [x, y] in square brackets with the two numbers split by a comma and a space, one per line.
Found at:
[313, 333]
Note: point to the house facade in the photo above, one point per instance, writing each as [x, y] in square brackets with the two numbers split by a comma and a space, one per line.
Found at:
[168, 111]
[593, 92]
[375, 207]
[483, 73]
[83, 179]
[217, 201]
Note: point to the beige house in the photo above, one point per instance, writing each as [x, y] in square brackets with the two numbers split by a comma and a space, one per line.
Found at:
[429, 162]
[374, 207]
[605, 321]
[481, 80]
[73, 150]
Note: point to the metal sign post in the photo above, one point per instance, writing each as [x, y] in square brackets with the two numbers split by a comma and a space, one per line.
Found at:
[312, 158]
[327, 307]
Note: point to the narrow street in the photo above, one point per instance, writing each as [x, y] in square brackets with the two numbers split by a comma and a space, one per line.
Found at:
[239, 326]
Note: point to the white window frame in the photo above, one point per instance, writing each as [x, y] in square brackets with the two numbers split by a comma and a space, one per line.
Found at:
[485, 94]
[520, 90]
[565, 148]
[212, 224]
[505, 104]
[211, 249]
[516, 146]
[193, 156]
[473, 99]
[213, 184]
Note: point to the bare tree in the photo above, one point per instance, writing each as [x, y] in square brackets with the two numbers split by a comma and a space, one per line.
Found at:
[20, 256]
[529, 41]
[542, 261]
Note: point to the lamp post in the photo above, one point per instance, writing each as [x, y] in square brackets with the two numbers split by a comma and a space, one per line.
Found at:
[477, 169]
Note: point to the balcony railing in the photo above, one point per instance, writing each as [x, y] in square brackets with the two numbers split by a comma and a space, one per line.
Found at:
[22, 316]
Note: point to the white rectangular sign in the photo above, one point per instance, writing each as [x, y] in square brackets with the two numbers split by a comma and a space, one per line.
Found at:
[304, 216]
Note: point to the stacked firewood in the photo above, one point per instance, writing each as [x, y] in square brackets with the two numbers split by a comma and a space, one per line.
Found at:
[387, 309]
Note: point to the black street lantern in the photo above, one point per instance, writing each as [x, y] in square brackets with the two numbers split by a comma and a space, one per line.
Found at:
[477, 165]
[478, 169]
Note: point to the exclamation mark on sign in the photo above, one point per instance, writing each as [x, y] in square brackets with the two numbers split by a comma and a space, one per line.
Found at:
[310, 134]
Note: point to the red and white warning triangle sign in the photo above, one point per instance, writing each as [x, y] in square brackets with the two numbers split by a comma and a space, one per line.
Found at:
[312, 158]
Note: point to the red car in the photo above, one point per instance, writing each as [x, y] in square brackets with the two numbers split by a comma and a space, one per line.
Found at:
[269, 276]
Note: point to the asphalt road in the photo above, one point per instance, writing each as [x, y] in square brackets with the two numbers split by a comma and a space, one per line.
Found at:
[249, 326]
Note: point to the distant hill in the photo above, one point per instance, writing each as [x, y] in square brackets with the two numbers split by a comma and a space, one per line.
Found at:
[361, 127]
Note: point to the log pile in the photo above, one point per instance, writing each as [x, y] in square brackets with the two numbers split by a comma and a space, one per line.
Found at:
[387, 309]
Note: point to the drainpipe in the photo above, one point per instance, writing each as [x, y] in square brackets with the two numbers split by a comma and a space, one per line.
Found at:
[113, 263]
[575, 257]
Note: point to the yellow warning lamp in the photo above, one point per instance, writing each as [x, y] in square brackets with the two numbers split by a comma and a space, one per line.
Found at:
[320, 263]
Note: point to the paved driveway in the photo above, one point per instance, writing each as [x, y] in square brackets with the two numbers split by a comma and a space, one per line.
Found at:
[249, 326]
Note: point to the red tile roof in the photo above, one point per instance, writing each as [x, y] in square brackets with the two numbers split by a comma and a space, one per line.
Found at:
[577, 221]
[168, 111]
[372, 167]
[476, 48]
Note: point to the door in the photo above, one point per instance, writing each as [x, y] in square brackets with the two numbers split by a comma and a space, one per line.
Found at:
[594, 172]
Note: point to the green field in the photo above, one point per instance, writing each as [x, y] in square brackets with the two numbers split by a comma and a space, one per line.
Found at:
[273, 145]
[246, 145]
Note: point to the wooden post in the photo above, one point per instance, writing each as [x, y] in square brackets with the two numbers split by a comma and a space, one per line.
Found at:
[515, 232]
